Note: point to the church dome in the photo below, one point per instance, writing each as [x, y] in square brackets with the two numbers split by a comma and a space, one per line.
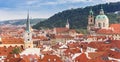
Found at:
[101, 18]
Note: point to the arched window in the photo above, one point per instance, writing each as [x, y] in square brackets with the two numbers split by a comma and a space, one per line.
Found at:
[91, 21]
[99, 25]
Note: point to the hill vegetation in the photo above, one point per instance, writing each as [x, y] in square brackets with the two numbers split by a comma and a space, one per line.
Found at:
[78, 17]
[21, 21]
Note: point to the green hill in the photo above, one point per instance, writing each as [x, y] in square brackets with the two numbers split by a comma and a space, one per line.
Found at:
[78, 17]
[21, 21]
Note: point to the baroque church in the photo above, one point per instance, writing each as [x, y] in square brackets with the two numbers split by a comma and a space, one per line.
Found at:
[99, 26]
[101, 21]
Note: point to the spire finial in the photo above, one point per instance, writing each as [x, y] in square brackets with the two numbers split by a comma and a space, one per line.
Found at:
[101, 10]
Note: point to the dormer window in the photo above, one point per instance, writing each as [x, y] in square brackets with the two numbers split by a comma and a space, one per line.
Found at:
[54, 60]
[105, 58]
[48, 60]
[77, 61]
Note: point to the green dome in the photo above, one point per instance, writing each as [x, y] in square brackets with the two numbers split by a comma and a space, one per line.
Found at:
[101, 17]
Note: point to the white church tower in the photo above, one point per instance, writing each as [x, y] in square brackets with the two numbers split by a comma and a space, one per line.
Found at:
[28, 43]
[67, 24]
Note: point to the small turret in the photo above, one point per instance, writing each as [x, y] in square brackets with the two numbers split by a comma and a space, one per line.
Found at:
[67, 24]
[101, 11]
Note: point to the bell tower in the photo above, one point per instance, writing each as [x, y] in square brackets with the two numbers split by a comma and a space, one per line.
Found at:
[90, 21]
[28, 43]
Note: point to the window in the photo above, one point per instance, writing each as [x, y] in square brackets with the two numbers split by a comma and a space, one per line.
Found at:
[91, 20]
[54, 59]
[28, 39]
[99, 25]
[81, 46]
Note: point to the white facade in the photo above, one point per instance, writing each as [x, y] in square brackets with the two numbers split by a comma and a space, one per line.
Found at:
[89, 49]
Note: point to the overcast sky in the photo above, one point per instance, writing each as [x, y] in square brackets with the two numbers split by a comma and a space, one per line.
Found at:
[17, 9]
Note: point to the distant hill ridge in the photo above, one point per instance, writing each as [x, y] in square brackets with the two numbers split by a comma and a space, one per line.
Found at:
[78, 17]
[21, 21]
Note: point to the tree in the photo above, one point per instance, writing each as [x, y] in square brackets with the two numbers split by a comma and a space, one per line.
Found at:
[16, 50]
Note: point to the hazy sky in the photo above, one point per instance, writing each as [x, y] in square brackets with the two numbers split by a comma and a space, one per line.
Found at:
[17, 9]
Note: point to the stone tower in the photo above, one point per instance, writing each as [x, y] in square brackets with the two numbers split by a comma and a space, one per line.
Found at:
[90, 21]
[28, 43]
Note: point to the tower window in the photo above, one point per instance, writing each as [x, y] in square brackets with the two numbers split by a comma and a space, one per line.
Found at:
[99, 25]
[28, 39]
[91, 16]
[91, 20]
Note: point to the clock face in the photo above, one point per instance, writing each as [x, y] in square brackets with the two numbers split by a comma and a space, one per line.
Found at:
[28, 37]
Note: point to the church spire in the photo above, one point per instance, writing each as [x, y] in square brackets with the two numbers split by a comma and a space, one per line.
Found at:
[101, 11]
[67, 24]
[28, 23]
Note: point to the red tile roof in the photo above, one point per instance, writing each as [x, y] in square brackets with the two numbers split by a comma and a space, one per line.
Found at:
[81, 58]
[61, 30]
[115, 29]
[63, 36]
[43, 38]
[12, 40]
[52, 58]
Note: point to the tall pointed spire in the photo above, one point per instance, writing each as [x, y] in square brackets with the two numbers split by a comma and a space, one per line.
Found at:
[28, 23]
[101, 10]
[67, 24]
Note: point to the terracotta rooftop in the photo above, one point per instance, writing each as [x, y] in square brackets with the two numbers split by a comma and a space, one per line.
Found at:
[12, 40]
[51, 58]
